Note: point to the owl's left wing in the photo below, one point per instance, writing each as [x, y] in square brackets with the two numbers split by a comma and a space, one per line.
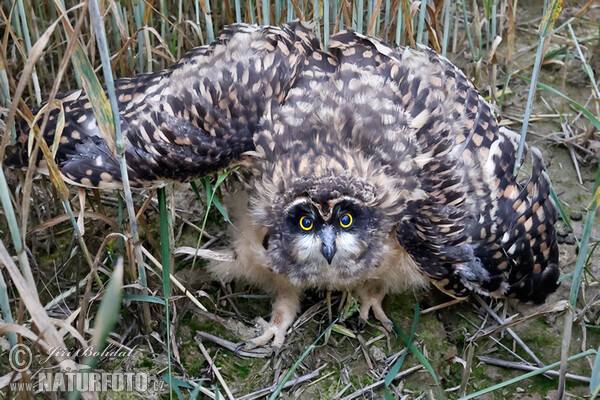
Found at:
[475, 228]
[196, 117]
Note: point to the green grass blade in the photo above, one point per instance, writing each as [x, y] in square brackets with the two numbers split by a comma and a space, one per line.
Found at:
[106, 317]
[447, 10]
[177, 385]
[138, 14]
[578, 106]
[210, 32]
[477, 26]
[163, 21]
[422, 359]
[165, 247]
[399, 23]
[586, 67]
[551, 13]
[525, 376]
[266, 9]
[141, 297]
[529, 105]
[326, 30]
[251, 9]
[195, 189]
[561, 211]
[386, 17]
[6, 312]
[196, 391]
[91, 85]
[396, 367]
[113, 124]
[221, 210]
[369, 15]
[469, 37]
[316, 19]
[582, 256]
[297, 363]
[290, 10]
[421, 25]
[360, 15]
[595, 379]
[580, 264]
[27, 36]
[238, 16]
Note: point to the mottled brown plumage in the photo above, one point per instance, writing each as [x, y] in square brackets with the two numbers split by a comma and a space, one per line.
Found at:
[368, 167]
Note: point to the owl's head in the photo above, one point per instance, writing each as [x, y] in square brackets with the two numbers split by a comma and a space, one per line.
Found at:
[324, 233]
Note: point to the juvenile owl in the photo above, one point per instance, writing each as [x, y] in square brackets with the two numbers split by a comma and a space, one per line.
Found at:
[366, 168]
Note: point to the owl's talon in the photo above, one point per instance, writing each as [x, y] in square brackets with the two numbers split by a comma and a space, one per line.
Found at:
[393, 330]
[360, 326]
[371, 296]
[284, 310]
[274, 354]
[241, 346]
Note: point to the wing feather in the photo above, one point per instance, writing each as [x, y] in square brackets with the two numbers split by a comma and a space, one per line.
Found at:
[194, 118]
[476, 229]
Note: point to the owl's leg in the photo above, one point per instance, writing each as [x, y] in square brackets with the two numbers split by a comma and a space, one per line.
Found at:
[285, 308]
[371, 295]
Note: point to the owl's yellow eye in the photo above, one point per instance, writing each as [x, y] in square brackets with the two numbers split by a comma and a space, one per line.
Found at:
[306, 223]
[346, 220]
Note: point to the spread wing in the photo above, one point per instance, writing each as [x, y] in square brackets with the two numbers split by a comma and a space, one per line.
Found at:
[475, 227]
[194, 118]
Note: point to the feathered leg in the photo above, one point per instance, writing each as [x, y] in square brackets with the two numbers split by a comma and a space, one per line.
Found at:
[371, 295]
[285, 308]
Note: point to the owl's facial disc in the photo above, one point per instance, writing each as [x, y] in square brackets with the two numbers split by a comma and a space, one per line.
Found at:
[317, 232]
[328, 243]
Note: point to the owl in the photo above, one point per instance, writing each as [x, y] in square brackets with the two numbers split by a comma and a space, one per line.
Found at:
[365, 167]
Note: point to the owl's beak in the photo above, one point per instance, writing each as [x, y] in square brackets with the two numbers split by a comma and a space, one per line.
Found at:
[328, 243]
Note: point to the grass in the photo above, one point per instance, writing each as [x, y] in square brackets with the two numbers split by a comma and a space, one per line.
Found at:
[51, 47]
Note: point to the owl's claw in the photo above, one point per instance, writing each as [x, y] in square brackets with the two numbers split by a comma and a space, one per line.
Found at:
[360, 326]
[371, 296]
[395, 331]
[274, 354]
[274, 332]
[241, 346]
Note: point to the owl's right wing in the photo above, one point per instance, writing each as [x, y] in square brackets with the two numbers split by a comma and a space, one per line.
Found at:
[475, 228]
[194, 118]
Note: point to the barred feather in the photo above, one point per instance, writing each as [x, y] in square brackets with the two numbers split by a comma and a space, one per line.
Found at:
[404, 132]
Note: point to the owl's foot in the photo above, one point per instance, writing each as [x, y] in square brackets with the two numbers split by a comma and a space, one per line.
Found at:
[371, 296]
[284, 312]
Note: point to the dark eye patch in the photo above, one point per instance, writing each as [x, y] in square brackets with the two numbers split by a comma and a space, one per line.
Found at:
[294, 214]
[347, 206]
[361, 216]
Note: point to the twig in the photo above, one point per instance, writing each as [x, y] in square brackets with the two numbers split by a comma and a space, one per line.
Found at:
[341, 392]
[466, 371]
[559, 306]
[381, 382]
[175, 280]
[255, 353]
[291, 382]
[215, 370]
[568, 133]
[206, 254]
[440, 306]
[509, 331]
[525, 367]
